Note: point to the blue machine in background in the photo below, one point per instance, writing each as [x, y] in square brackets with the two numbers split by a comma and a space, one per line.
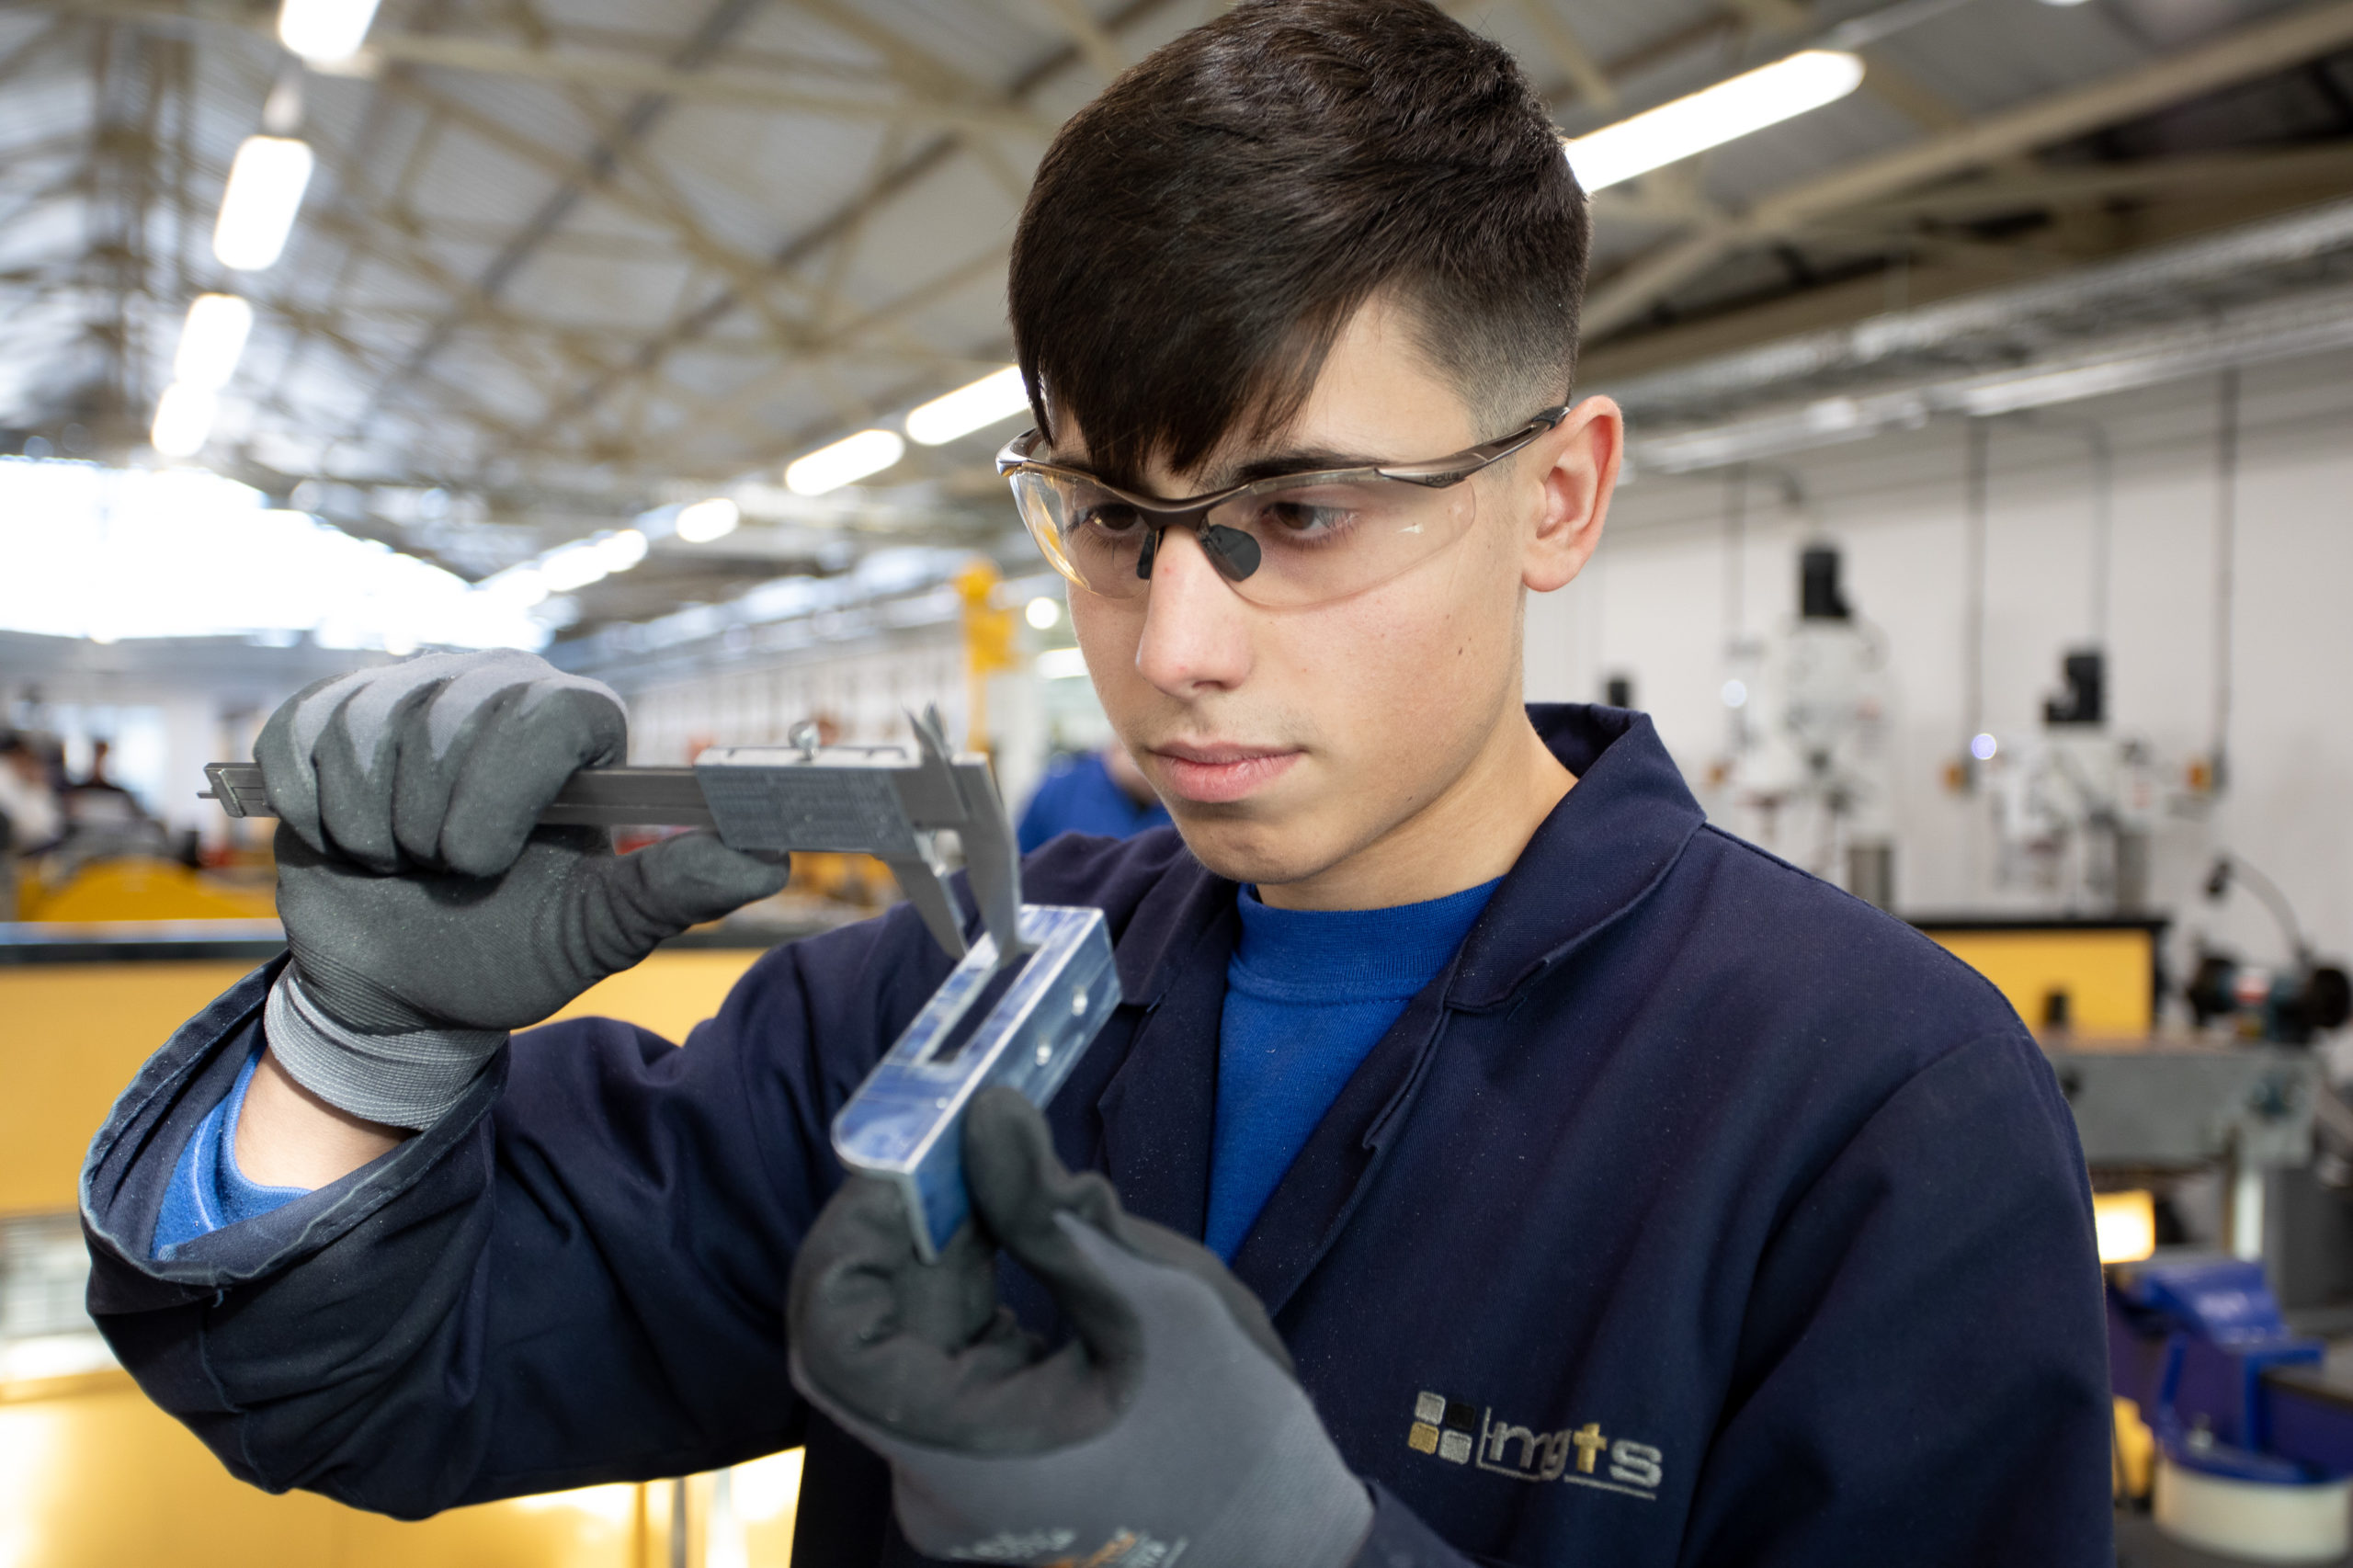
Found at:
[2254, 1444]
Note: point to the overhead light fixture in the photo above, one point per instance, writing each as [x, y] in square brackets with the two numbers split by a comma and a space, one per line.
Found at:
[975, 407]
[1713, 116]
[708, 521]
[579, 564]
[325, 30]
[620, 551]
[572, 566]
[849, 458]
[213, 341]
[1044, 613]
[183, 420]
[520, 586]
[266, 185]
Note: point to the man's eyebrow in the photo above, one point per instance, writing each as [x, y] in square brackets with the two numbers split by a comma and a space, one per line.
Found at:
[1300, 459]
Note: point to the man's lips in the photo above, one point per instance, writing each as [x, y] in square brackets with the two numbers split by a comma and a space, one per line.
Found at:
[1211, 774]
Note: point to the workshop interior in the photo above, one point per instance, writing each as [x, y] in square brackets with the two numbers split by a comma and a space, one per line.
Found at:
[1983, 548]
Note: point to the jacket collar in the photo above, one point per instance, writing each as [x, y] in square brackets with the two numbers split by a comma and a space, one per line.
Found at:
[1600, 852]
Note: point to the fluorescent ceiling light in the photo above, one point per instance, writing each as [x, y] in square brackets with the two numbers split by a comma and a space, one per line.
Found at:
[325, 30]
[181, 553]
[266, 184]
[708, 521]
[183, 420]
[1713, 116]
[620, 552]
[519, 586]
[213, 341]
[574, 566]
[851, 458]
[1061, 664]
[967, 409]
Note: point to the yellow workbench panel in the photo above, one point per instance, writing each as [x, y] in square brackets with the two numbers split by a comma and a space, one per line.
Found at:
[72, 1034]
[2108, 974]
[94, 1476]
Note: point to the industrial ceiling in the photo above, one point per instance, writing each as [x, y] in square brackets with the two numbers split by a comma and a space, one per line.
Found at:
[566, 260]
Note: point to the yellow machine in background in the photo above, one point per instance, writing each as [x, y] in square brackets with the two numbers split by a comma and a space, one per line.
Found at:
[93, 1475]
[2093, 979]
[139, 888]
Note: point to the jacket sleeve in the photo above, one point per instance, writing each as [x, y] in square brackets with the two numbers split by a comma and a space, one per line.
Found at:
[576, 1276]
[1923, 1371]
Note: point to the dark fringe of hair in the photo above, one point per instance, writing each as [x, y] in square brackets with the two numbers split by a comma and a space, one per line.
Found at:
[1198, 235]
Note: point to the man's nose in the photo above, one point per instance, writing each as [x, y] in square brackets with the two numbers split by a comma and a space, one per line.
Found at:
[1195, 628]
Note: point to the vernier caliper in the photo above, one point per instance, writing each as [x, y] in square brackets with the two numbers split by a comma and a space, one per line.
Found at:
[906, 1123]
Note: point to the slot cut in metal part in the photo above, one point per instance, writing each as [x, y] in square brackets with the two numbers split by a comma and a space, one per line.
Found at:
[906, 1123]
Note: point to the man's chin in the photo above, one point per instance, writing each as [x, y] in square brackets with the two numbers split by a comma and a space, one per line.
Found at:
[1243, 850]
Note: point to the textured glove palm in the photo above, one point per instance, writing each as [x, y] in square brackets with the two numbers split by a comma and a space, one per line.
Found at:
[1170, 1426]
[425, 912]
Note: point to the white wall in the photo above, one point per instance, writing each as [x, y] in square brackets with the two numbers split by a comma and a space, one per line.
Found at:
[1653, 606]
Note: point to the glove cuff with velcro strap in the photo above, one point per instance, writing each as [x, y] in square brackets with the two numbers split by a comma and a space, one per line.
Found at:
[408, 1079]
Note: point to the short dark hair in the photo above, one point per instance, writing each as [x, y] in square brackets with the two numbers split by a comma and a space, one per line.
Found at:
[1198, 234]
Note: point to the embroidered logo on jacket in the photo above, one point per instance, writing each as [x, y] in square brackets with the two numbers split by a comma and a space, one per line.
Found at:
[1460, 1432]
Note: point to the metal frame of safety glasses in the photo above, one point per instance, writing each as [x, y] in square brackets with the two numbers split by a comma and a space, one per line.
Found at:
[1437, 474]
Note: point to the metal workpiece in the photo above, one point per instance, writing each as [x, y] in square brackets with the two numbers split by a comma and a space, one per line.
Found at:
[2172, 1109]
[883, 801]
[906, 1123]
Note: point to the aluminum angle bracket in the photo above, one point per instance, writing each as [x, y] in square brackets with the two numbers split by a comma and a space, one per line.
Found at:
[883, 800]
[906, 1123]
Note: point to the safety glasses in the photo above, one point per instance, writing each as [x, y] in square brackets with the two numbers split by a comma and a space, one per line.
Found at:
[1285, 541]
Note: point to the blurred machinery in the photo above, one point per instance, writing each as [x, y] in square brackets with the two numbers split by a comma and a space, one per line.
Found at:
[2289, 1005]
[2074, 806]
[1808, 772]
[86, 849]
[2228, 1423]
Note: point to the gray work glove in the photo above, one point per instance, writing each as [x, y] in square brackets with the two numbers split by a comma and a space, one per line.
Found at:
[1170, 1426]
[426, 913]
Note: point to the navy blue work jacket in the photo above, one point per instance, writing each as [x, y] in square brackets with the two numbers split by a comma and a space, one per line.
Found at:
[1697, 1213]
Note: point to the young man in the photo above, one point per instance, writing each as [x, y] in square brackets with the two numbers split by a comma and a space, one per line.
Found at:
[1578, 1184]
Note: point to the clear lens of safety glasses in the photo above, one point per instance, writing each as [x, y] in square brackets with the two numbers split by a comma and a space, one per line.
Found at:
[1280, 546]
[1290, 540]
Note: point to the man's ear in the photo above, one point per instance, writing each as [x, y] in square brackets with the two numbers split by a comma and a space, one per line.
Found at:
[1582, 457]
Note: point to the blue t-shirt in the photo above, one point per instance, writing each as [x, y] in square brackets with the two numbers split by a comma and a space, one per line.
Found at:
[1308, 994]
[1081, 798]
[208, 1191]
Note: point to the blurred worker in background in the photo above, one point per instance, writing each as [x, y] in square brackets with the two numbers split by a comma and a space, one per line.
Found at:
[27, 804]
[96, 802]
[1490, 1161]
[30, 820]
[1102, 793]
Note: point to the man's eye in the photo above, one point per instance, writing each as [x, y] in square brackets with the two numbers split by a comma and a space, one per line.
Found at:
[1300, 519]
[1110, 518]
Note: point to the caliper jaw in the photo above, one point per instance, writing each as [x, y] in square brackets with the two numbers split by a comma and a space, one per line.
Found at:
[868, 800]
